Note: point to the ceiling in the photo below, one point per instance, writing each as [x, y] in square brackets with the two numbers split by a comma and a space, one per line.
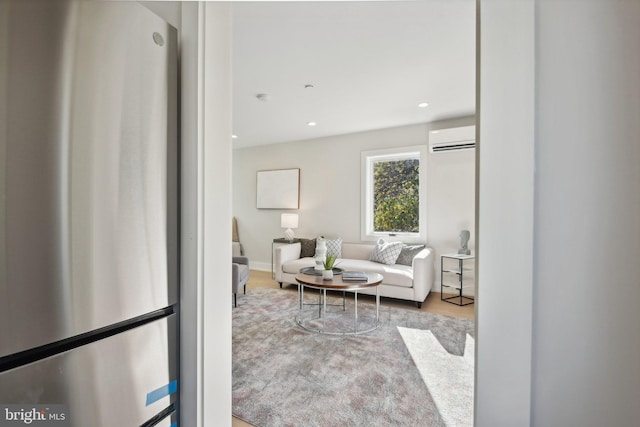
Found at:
[370, 64]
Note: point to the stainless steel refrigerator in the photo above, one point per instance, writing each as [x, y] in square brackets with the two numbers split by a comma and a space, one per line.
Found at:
[88, 215]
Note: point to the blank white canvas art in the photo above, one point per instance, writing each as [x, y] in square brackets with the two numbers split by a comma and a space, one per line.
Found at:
[278, 189]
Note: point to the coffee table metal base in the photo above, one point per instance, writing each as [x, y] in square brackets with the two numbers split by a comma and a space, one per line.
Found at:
[322, 310]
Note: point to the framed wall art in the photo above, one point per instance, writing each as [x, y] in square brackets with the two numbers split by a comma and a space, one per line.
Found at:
[278, 189]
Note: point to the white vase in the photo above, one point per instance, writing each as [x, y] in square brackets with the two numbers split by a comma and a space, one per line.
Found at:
[327, 274]
[321, 253]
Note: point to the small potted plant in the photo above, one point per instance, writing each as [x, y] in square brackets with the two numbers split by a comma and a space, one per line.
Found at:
[329, 264]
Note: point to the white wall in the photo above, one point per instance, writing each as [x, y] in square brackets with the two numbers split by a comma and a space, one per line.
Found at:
[330, 188]
[586, 315]
[215, 197]
[505, 214]
[451, 181]
[577, 294]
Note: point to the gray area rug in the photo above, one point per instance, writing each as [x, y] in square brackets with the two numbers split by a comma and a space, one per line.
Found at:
[286, 376]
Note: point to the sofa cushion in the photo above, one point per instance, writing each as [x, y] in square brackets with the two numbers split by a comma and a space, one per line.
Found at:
[407, 253]
[357, 250]
[397, 275]
[386, 252]
[334, 247]
[307, 248]
[294, 266]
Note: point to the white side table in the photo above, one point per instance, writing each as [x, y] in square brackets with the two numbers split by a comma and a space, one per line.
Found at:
[452, 268]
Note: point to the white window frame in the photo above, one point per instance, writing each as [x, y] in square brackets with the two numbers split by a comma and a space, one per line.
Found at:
[367, 160]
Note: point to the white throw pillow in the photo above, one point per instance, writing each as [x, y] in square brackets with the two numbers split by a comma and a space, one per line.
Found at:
[334, 247]
[386, 252]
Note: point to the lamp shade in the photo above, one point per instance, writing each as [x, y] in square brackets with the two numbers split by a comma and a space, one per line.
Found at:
[288, 220]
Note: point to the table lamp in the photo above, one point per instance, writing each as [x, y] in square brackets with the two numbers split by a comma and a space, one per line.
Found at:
[289, 221]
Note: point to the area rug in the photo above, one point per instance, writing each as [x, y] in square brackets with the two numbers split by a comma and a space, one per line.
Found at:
[286, 376]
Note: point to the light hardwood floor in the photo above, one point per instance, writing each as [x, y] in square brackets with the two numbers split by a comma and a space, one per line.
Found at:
[433, 304]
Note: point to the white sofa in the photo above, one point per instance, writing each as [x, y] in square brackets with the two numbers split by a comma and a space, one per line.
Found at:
[412, 283]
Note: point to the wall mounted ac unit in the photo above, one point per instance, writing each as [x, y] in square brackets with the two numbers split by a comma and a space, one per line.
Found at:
[462, 138]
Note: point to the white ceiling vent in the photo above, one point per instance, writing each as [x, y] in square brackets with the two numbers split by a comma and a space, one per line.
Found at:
[462, 138]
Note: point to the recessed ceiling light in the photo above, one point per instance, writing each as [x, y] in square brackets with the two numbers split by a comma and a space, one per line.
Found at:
[311, 124]
[423, 105]
[234, 136]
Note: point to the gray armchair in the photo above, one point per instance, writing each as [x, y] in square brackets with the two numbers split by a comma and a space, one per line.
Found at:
[240, 275]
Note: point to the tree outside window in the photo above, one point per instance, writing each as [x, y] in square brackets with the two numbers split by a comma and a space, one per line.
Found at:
[396, 186]
[393, 197]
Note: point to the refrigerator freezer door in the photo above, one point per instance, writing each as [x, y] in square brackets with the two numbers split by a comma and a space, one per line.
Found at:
[123, 380]
[88, 160]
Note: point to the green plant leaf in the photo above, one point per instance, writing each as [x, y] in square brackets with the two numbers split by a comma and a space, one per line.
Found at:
[329, 262]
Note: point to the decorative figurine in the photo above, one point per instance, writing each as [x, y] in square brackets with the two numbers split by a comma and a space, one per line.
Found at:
[464, 241]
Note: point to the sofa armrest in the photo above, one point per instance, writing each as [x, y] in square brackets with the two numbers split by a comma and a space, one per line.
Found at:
[284, 253]
[423, 273]
[240, 260]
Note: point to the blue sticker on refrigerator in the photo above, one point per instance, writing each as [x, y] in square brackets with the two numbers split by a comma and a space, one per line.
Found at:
[164, 391]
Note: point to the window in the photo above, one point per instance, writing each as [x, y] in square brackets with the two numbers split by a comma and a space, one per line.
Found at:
[393, 197]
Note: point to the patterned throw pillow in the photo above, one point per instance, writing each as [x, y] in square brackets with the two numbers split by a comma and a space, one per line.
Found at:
[307, 248]
[407, 253]
[386, 252]
[334, 247]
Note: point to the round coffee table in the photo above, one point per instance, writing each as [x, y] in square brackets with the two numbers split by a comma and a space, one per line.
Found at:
[336, 284]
